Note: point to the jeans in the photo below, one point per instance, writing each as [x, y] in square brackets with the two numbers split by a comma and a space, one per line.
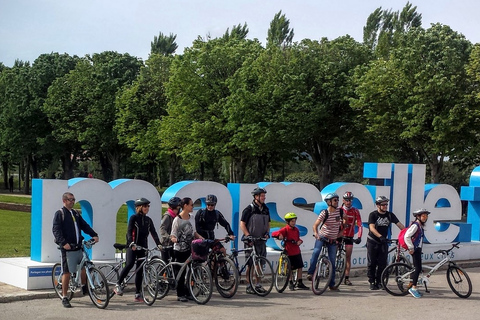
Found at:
[332, 252]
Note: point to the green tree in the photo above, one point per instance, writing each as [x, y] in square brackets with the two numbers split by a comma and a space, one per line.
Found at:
[164, 45]
[279, 33]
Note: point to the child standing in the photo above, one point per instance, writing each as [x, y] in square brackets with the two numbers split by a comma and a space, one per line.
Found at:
[291, 234]
[414, 241]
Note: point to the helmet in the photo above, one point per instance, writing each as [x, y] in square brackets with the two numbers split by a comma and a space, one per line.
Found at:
[141, 202]
[211, 199]
[258, 191]
[348, 195]
[381, 199]
[289, 216]
[330, 196]
[174, 202]
[420, 211]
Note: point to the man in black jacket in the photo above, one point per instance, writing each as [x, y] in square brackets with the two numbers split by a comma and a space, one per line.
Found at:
[67, 227]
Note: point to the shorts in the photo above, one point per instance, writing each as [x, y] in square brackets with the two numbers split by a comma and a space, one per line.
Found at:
[260, 247]
[71, 260]
[348, 241]
[296, 261]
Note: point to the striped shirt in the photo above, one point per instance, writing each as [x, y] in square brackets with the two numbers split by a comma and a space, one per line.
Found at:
[331, 227]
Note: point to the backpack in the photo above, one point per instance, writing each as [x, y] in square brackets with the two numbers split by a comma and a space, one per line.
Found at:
[326, 217]
[202, 214]
[401, 236]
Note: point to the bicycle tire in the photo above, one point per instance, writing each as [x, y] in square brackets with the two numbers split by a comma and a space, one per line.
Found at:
[164, 277]
[340, 267]
[57, 282]
[226, 277]
[200, 283]
[456, 278]
[322, 276]
[97, 286]
[282, 275]
[149, 284]
[111, 274]
[396, 278]
[262, 272]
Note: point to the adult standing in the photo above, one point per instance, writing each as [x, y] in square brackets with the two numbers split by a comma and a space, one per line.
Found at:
[139, 228]
[327, 229]
[255, 222]
[351, 218]
[67, 227]
[166, 228]
[377, 248]
[182, 236]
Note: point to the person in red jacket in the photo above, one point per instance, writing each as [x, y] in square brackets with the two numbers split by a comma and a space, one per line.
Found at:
[291, 235]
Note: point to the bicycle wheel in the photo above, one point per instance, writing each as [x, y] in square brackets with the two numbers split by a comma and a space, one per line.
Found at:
[149, 284]
[226, 277]
[163, 277]
[396, 278]
[322, 275]
[97, 286]
[340, 267]
[403, 259]
[200, 283]
[459, 281]
[111, 274]
[262, 273]
[282, 275]
[57, 282]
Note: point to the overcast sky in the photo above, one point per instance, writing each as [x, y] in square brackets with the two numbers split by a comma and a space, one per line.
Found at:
[29, 28]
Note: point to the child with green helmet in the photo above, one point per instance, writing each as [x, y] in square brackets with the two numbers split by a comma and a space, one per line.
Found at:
[291, 235]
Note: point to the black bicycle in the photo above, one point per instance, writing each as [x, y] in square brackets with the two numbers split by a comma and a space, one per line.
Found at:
[224, 271]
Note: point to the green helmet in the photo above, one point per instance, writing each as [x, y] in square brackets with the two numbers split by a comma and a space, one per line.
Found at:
[289, 216]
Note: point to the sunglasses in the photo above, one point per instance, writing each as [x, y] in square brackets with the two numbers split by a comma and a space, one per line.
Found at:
[146, 205]
[71, 199]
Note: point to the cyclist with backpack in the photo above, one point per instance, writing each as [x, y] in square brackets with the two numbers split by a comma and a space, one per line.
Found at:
[206, 220]
[414, 241]
[351, 218]
[166, 228]
[377, 248]
[327, 228]
[291, 234]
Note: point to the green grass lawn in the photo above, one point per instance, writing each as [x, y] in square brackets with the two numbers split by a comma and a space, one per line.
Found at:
[15, 199]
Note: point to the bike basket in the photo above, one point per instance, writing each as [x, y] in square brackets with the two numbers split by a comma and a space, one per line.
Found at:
[200, 249]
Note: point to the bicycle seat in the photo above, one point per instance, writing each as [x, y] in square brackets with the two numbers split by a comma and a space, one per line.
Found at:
[119, 246]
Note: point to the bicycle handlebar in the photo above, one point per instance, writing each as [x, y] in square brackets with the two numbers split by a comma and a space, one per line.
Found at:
[446, 251]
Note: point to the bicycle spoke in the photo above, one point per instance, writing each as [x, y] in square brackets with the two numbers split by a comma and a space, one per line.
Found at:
[200, 283]
[459, 281]
[97, 287]
[396, 279]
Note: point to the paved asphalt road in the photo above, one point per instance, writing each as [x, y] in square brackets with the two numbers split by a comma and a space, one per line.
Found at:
[353, 302]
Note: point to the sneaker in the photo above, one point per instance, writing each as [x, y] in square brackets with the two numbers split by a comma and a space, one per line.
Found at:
[309, 277]
[301, 286]
[414, 293]
[347, 282]
[118, 290]
[182, 299]
[291, 287]
[66, 303]
[250, 290]
[379, 286]
[259, 289]
[373, 286]
[333, 289]
[84, 290]
[138, 297]
[225, 273]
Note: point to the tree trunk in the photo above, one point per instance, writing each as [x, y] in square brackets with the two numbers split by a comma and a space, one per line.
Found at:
[5, 174]
[68, 164]
[26, 185]
[261, 168]
[322, 157]
[34, 165]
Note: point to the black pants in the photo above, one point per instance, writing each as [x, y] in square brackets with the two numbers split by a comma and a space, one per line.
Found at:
[181, 256]
[377, 256]
[167, 254]
[417, 264]
[133, 256]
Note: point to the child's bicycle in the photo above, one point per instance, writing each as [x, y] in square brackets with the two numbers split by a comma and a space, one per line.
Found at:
[323, 271]
[284, 270]
[224, 271]
[396, 278]
[150, 276]
[260, 268]
[96, 283]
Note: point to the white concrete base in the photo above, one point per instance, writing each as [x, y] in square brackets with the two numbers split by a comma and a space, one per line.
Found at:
[31, 275]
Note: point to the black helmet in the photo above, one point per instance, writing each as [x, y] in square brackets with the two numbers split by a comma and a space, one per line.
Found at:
[174, 202]
[381, 199]
[348, 195]
[141, 202]
[330, 196]
[211, 199]
[258, 191]
[420, 211]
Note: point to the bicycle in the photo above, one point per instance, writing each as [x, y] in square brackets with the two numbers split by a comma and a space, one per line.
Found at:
[223, 271]
[96, 282]
[258, 264]
[150, 276]
[323, 274]
[284, 270]
[340, 262]
[198, 279]
[398, 252]
[396, 278]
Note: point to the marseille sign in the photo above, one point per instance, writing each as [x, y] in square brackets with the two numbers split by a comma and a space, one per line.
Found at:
[404, 184]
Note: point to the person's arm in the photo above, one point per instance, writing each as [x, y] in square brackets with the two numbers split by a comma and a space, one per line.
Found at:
[224, 223]
[199, 224]
[173, 234]
[85, 227]
[373, 230]
[316, 224]
[358, 221]
[130, 227]
[243, 221]
[57, 229]
[408, 237]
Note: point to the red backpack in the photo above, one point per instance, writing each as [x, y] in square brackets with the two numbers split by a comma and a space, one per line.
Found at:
[401, 236]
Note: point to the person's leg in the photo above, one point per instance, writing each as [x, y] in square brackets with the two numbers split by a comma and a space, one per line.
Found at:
[313, 260]
[382, 263]
[139, 276]
[332, 256]
[371, 262]
[417, 264]
[348, 262]
[129, 263]
[181, 288]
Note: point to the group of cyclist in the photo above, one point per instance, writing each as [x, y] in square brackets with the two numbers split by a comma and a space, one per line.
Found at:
[336, 223]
